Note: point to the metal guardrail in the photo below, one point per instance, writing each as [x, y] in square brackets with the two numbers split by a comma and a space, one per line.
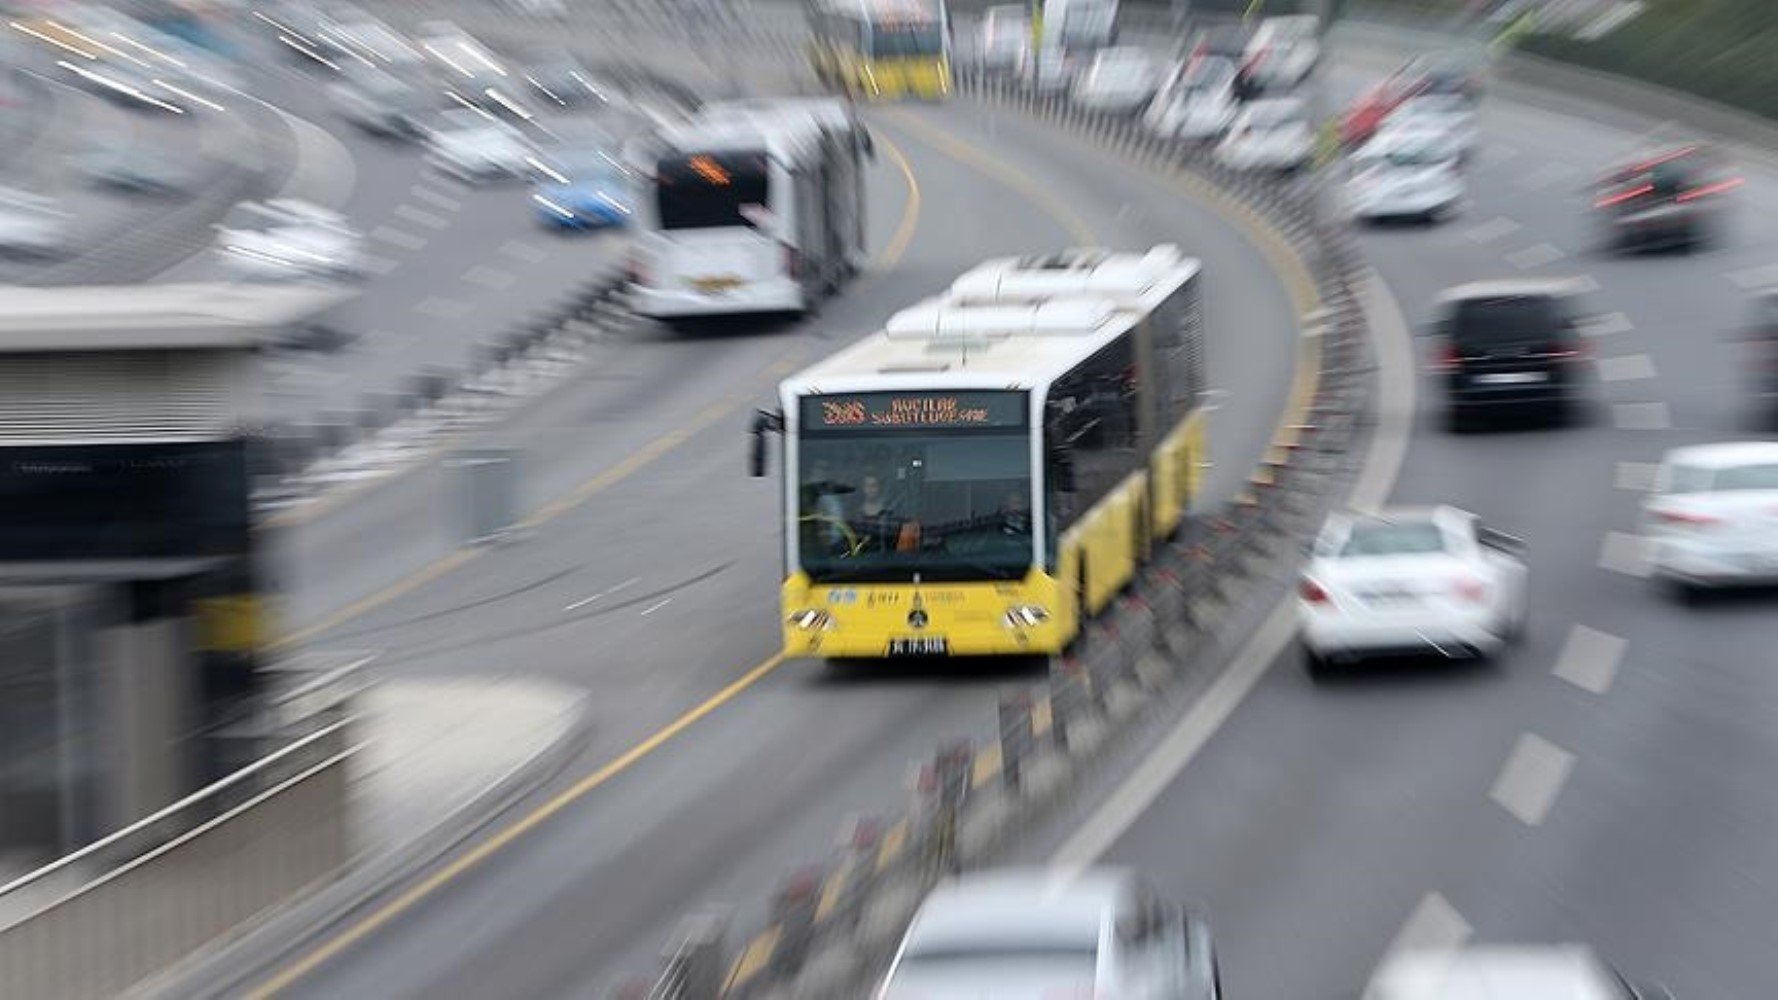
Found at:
[132, 904]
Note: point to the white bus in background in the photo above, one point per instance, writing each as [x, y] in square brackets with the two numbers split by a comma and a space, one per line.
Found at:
[753, 207]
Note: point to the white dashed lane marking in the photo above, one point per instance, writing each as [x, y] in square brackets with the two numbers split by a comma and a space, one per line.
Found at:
[1586, 284]
[522, 251]
[1641, 416]
[489, 277]
[398, 237]
[438, 308]
[1755, 277]
[1607, 324]
[1532, 778]
[1435, 930]
[1624, 553]
[1535, 256]
[1626, 368]
[421, 217]
[1492, 230]
[652, 608]
[1589, 659]
[1637, 477]
[421, 192]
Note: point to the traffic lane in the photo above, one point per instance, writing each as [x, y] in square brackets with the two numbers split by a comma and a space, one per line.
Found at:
[1555, 488]
[665, 522]
[1250, 323]
[641, 387]
[771, 819]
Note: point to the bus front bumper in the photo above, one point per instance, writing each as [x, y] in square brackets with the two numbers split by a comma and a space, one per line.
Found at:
[878, 621]
[780, 296]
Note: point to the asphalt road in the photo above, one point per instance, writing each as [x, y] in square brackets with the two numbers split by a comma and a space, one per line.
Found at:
[655, 586]
[1607, 781]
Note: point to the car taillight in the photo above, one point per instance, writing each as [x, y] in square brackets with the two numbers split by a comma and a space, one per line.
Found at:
[1685, 518]
[1710, 189]
[638, 271]
[1618, 198]
[1448, 360]
[1563, 352]
[793, 263]
[1471, 590]
[1312, 592]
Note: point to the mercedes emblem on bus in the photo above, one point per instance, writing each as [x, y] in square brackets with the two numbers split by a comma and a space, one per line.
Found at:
[917, 618]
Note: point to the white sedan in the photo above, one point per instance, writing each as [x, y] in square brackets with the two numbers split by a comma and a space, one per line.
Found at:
[1018, 934]
[1271, 134]
[1198, 105]
[1410, 580]
[1118, 81]
[1405, 174]
[473, 145]
[285, 238]
[1712, 519]
[1451, 114]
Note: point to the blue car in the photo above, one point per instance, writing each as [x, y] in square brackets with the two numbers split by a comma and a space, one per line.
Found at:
[585, 193]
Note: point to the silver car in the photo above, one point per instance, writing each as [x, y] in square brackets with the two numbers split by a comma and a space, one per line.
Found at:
[1027, 933]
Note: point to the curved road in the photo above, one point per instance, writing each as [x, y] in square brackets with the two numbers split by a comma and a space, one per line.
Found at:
[649, 577]
[1608, 781]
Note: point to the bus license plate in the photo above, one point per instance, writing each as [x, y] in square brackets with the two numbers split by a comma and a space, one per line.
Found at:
[924, 646]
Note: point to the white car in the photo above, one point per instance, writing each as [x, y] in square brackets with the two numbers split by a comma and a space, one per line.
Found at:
[1118, 81]
[1198, 104]
[1405, 174]
[1004, 36]
[1712, 519]
[1032, 934]
[1269, 134]
[1284, 50]
[31, 225]
[1047, 71]
[474, 146]
[1451, 114]
[285, 238]
[1548, 972]
[1410, 580]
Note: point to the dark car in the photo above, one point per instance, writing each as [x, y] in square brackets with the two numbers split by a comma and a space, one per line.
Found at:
[1510, 347]
[1670, 198]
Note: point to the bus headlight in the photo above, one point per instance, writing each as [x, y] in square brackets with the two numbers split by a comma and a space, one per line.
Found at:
[811, 620]
[1025, 616]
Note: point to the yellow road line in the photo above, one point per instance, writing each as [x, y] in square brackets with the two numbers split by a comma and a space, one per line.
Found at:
[831, 890]
[368, 925]
[997, 169]
[910, 213]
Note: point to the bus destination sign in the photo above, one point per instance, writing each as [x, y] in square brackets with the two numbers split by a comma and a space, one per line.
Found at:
[913, 410]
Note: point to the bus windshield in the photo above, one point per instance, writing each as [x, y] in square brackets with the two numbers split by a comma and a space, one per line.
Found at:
[884, 505]
[900, 40]
[710, 190]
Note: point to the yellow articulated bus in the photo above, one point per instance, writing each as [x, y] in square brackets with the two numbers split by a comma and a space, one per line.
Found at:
[990, 469]
[882, 50]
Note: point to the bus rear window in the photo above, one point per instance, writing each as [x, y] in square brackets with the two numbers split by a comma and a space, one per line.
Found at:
[709, 190]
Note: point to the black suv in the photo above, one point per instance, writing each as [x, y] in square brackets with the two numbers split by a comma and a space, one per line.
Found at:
[1510, 346]
[1671, 198]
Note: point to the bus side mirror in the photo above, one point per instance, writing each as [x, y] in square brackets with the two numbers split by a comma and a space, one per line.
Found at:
[867, 143]
[764, 422]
